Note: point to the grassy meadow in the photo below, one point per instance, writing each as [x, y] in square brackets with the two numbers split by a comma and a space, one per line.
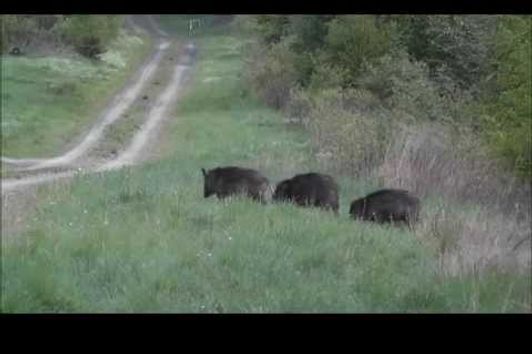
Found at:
[144, 239]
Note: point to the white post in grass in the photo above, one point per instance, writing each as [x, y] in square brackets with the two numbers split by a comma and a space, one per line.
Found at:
[193, 23]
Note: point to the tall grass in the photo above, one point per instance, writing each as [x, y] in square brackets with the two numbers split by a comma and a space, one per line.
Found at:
[483, 220]
[481, 216]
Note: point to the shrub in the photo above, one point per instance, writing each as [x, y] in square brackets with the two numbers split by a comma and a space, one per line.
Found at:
[272, 72]
[326, 76]
[348, 132]
[309, 30]
[32, 34]
[351, 40]
[17, 31]
[431, 158]
[90, 34]
[271, 28]
[299, 106]
[404, 86]
[506, 110]
[458, 45]
[476, 214]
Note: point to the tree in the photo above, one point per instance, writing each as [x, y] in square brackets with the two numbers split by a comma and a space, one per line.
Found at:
[309, 31]
[456, 46]
[351, 40]
[271, 28]
[508, 115]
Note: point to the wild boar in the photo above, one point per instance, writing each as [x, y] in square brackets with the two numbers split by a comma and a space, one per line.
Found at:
[232, 180]
[387, 205]
[309, 189]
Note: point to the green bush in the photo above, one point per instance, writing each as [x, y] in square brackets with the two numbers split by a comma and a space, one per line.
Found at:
[326, 76]
[309, 30]
[271, 28]
[458, 45]
[31, 33]
[351, 40]
[90, 34]
[404, 86]
[506, 110]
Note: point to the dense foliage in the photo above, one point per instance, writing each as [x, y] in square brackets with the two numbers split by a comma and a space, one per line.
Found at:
[89, 35]
[471, 72]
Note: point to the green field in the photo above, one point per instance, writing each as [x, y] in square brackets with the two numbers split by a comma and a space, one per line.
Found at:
[48, 101]
[145, 240]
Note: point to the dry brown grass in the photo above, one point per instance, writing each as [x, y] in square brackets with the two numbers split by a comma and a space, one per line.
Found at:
[483, 219]
[430, 159]
[470, 242]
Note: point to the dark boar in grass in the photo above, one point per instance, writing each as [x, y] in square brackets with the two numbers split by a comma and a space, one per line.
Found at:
[394, 206]
[309, 189]
[231, 180]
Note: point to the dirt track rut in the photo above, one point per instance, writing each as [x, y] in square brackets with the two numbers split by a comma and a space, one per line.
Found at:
[146, 134]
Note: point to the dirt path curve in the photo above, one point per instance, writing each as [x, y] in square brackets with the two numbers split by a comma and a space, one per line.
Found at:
[132, 153]
[114, 112]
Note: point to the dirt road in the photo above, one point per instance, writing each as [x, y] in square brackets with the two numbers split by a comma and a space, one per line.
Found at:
[147, 132]
[114, 112]
[149, 128]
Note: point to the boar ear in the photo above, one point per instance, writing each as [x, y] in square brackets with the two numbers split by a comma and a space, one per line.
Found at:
[204, 172]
